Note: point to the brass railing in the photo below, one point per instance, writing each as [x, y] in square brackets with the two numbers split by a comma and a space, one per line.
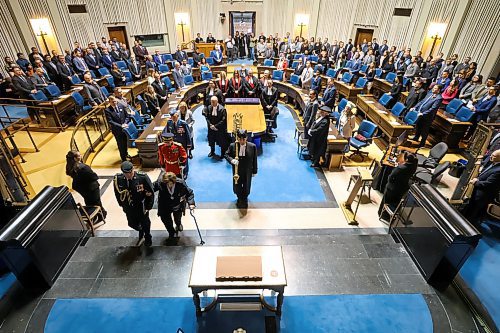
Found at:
[90, 130]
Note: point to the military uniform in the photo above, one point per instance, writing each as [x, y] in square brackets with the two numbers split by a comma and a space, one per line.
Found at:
[172, 157]
[132, 197]
[182, 135]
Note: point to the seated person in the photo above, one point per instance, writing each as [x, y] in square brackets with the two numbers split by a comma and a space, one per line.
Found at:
[117, 75]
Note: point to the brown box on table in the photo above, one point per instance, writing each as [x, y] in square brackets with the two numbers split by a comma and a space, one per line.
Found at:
[239, 268]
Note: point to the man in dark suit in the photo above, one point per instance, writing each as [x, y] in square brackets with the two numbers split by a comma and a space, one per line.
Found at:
[318, 134]
[210, 38]
[246, 160]
[40, 79]
[93, 91]
[160, 89]
[79, 64]
[51, 68]
[216, 115]
[426, 109]
[180, 55]
[107, 59]
[269, 101]
[300, 67]
[398, 183]
[329, 94]
[139, 51]
[135, 69]
[118, 120]
[486, 189]
[65, 72]
[115, 54]
[23, 85]
[34, 55]
[416, 94]
[383, 47]
[91, 60]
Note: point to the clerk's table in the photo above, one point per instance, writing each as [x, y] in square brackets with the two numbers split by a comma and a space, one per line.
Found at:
[203, 273]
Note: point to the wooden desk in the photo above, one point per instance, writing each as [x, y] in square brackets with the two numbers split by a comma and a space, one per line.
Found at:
[205, 48]
[253, 117]
[297, 94]
[403, 96]
[59, 112]
[382, 85]
[386, 159]
[148, 147]
[203, 273]
[348, 91]
[262, 69]
[446, 129]
[335, 149]
[390, 125]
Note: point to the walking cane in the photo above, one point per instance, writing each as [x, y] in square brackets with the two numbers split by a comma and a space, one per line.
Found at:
[196, 224]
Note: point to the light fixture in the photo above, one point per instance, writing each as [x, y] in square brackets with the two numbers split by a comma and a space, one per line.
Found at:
[41, 27]
[436, 32]
[301, 20]
[182, 20]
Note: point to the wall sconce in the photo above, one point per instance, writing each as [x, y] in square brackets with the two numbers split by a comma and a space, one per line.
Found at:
[301, 20]
[182, 20]
[41, 28]
[436, 32]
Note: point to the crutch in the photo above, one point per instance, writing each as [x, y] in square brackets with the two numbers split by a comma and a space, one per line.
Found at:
[196, 223]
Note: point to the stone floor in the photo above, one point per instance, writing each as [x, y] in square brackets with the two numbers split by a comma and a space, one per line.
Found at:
[317, 262]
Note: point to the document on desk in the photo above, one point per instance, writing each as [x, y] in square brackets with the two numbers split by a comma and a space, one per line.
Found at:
[158, 128]
[453, 120]
[239, 268]
[151, 137]
[165, 115]
[395, 123]
[370, 102]
[382, 111]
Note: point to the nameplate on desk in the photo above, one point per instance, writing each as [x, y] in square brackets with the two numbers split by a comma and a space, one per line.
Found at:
[165, 115]
[242, 101]
[238, 268]
[152, 137]
[382, 111]
[370, 102]
[158, 128]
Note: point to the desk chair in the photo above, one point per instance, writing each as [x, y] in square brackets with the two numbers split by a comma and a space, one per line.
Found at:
[398, 109]
[75, 79]
[425, 176]
[363, 138]
[277, 75]
[464, 114]
[411, 117]
[80, 107]
[331, 72]
[302, 147]
[163, 68]
[39, 96]
[454, 105]
[53, 91]
[268, 62]
[132, 134]
[92, 216]
[436, 154]
[390, 77]
[121, 64]
[168, 83]
[103, 71]
[294, 79]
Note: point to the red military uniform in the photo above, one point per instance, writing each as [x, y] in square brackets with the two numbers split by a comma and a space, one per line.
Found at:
[172, 157]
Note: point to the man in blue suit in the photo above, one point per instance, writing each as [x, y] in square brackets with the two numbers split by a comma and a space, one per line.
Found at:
[157, 58]
[107, 60]
[217, 55]
[486, 187]
[356, 64]
[483, 107]
[329, 94]
[426, 109]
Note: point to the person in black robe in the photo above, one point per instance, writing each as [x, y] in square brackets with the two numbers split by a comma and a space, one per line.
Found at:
[216, 115]
[318, 134]
[246, 160]
[398, 183]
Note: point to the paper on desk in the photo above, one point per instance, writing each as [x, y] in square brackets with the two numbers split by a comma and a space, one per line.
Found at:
[382, 111]
[331, 137]
[165, 115]
[370, 102]
[158, 128]
[64, 96]
[453, 120]
[395, 122]
[152, 136]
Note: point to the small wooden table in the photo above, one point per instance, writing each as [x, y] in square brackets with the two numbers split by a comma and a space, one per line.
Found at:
[203, 273]
[205, 48]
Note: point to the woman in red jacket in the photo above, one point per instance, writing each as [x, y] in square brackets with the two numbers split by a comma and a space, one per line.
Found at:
[450, 92]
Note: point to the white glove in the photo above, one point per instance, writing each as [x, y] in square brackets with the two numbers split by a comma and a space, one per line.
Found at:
[235, 161]
[254, 174]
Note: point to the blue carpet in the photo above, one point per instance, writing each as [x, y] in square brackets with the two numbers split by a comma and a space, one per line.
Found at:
[6, 282]
[340, 313]
[13, 111]
[281, 177]
[481, 272]
[241, 61]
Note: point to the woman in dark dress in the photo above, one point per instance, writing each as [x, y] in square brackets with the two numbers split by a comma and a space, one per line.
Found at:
[117, 75]
[398, 182]
[85, 181]
[396, 90]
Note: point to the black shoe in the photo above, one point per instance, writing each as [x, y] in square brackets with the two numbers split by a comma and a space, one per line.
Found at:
[211, 154]
[148, 241]
[180, 227]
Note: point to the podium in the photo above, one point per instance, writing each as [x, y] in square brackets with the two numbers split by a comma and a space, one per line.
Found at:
[205, 48]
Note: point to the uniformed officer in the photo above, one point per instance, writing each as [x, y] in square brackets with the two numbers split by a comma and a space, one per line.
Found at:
[246, 160]
[182, 134]
[173, 195]
[135, 194]
[172, 155]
